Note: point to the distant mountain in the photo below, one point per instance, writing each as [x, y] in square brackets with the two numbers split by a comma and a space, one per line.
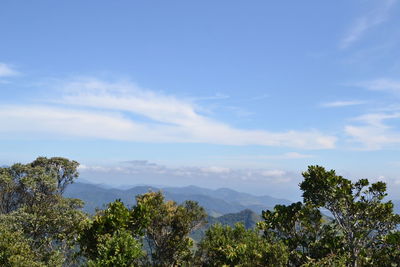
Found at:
[216, 202]
[247, 217]
[246, 201]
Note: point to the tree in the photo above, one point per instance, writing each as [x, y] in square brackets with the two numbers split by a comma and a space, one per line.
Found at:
[112, 237]
[32, 203]
[118, 249]
[227, 246]
[168, 228]
[386, 252]
[15, 250]
[64, 170]
[335, 260]
[302, 229]
[357, 208]
[116, 234]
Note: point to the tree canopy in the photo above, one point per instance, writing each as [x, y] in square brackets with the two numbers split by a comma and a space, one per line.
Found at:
[40, 227]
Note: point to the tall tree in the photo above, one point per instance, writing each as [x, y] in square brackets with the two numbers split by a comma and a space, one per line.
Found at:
[31, 202]
[358, 209]
[163, 228]
[302, 229]
[64, 170]
[168, 228]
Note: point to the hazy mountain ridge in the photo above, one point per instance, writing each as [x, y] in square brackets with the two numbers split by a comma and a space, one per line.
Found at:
[216, 202]
[247, 217]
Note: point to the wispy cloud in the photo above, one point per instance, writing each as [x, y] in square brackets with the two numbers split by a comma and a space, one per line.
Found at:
[336, 104]
[379, 128]
[123, 111]
[288, 155]
[382, 84]
[373, 132]
[363, 23]
[6, 70]
[261, 158]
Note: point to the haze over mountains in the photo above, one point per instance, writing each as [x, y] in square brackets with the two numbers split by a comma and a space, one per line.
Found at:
[216, 202]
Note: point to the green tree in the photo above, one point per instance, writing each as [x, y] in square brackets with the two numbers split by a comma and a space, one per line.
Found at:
[302, 229]
[163, 227]
[31, 202]
[386, 252]
[331, 260]
[357, 208]
[65, 171]
[168, 228]
[227, 246]
[37, 182]
[112, 237]
[117, 249]
[15, 250]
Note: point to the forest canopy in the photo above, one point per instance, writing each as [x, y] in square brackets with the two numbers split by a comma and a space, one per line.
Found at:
[41, 227]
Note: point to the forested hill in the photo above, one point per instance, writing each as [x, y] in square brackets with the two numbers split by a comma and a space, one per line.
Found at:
[247, 217]
[216, 202]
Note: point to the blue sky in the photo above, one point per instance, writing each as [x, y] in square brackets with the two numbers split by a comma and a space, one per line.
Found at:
[215, 93]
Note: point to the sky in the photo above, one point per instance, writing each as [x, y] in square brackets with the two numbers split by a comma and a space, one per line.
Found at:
[237, 94]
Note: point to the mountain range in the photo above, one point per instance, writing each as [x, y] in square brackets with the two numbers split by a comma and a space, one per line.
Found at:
[216, 202]
[223, 205]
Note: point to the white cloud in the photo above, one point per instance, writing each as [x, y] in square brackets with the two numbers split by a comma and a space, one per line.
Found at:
[6, 70]
[288, 155]
[383, 84]
[363, 23]
[277, 173]
[216, 169]
[335, 104]
[97, 109]
[373, 133]
[152, 170]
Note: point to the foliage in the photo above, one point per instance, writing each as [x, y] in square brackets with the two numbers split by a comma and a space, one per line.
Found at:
[64, 170]
[34, 183]
[302, 229]
[331, 260]
[111, 237]
[227, 246]
[386, 252]
[40, 227]
[15, 249]
[117, 249]
[357, 208]
[168, 228]
[248, 217]
[32, 204]
[163, 225]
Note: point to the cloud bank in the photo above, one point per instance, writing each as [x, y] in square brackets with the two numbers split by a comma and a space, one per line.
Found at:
[148, 170]
[92, 108]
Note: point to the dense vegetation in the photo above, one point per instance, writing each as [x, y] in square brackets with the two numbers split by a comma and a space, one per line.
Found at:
[41, 227]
